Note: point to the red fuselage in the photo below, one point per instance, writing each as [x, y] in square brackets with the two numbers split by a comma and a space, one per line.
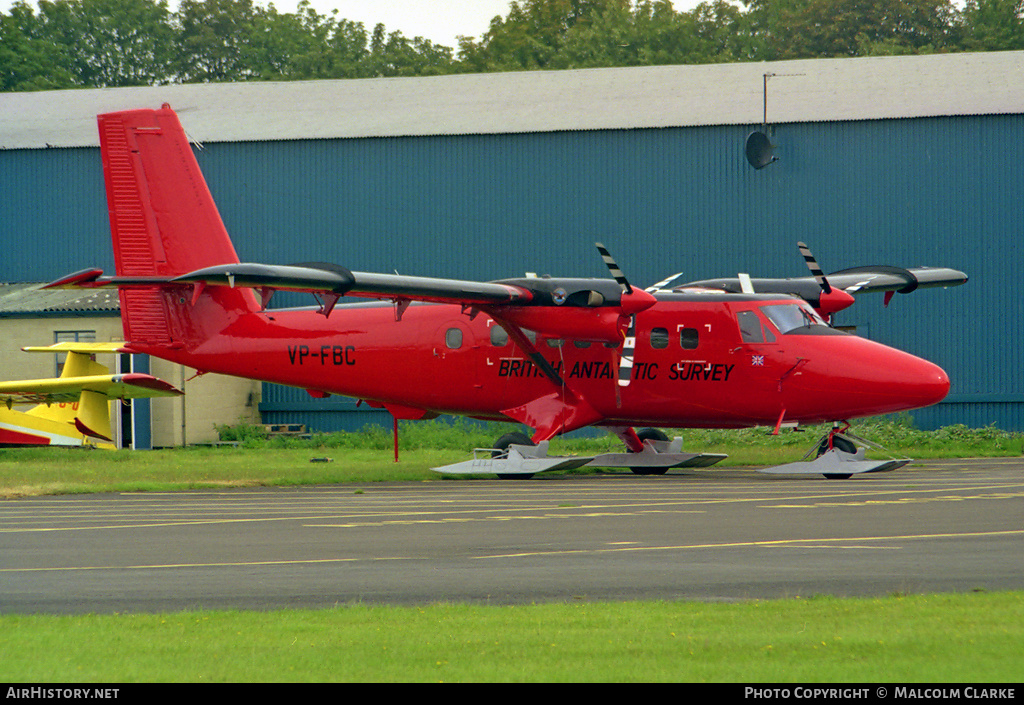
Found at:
[702, 360]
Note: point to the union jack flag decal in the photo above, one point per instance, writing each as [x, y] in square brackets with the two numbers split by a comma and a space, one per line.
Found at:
[757, 360]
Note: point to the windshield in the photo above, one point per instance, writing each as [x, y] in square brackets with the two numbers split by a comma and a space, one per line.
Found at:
[787, 317]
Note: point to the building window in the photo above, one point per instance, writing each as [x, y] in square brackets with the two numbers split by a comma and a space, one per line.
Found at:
[71, 336]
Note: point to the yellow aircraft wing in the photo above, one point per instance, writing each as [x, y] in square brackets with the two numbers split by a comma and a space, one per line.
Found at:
[80, 397]
[68, 389]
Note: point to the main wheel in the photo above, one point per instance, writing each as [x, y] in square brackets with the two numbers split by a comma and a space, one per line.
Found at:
[839, 443]
[650, 434]
[501, 450]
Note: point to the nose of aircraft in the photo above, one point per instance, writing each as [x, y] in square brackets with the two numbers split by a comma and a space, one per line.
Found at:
[892, 380]
[923, 381]
[864, 378]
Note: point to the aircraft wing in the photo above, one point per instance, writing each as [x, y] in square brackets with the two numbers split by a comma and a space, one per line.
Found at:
[856, 280]
[880, 278]
[321, 278]
[68, 390]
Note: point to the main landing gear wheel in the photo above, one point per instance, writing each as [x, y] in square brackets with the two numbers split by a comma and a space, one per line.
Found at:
[501, 450]
[839, 443]
[650, 434]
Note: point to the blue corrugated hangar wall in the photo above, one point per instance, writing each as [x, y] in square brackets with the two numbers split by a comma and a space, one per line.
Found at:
[926, 191]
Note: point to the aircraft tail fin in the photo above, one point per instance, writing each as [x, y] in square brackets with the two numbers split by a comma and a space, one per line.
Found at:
[163, 221]
[93, 417]
[90, 414]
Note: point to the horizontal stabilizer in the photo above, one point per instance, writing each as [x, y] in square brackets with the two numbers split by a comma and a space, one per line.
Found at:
[84, 348]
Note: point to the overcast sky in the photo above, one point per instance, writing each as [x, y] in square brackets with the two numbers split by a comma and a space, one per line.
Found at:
[440, 21]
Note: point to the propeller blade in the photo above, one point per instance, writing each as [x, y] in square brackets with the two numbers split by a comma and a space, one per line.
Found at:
[626, 360]
[614, 269]
[638, 301]
[812, 264]
[655, 288]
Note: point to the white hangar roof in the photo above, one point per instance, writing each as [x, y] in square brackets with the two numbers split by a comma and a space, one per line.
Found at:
[541, 101]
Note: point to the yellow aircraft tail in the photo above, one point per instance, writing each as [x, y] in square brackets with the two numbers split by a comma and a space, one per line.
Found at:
[79, 399]
[90, 412]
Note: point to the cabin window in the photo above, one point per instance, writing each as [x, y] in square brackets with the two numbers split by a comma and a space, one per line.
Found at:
[689, 338]
[581, 344]
[453, 338]
[499, 336]
[554, 342]
[750, 327]
[659, 338]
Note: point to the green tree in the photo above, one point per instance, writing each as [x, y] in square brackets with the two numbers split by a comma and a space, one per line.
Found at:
[28, 61]
[392, 54]
[531, 35]
[652, 32]
[564, 34]
[235, 40]
[621, 35]
[993, 25]
[326, 47]
[110, 42]
[216, 41]
[800, 29]
[299, 45]
[723, 32]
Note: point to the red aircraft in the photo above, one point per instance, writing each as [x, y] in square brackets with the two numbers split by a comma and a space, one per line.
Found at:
[555, 354]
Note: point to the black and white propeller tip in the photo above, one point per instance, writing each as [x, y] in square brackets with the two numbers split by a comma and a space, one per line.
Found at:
[613, 267]
[812, 264]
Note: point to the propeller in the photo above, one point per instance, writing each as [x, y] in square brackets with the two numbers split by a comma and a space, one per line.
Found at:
[628, 351]
[812, 264]
[613, 267]
[633, 301]
[831, 300]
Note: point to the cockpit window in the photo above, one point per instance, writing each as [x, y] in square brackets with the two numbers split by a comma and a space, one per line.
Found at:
[750, 327]
[787, 317]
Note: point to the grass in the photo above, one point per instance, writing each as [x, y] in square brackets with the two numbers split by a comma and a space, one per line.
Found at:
[976, 637]
[905, 639]
[368, 456]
